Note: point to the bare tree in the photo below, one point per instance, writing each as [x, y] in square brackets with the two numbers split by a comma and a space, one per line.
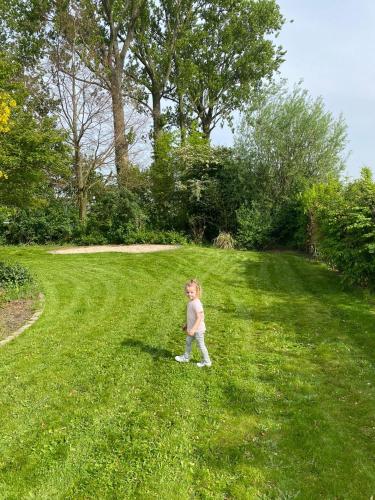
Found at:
[105, 32]
[85, 113]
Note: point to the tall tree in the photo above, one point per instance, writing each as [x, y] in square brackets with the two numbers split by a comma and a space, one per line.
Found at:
[227, 53]
[84, 114]
[286, 141]
[164, 24]
[106, 31]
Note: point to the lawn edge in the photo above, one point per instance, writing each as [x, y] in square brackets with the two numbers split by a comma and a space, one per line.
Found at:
[28, 323]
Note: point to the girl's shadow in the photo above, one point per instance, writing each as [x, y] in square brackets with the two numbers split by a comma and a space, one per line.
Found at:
[155, 352]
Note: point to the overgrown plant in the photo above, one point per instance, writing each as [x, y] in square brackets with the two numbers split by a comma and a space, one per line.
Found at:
[344, 218]
[13, 275]
[224, 240]
[254, 226]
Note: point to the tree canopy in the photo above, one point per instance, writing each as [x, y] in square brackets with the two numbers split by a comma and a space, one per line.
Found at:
[226, 54]
[286, 141]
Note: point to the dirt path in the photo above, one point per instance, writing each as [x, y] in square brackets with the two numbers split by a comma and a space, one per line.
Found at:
[115, 248]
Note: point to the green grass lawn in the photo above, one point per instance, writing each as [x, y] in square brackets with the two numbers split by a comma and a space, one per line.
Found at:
[93, 404]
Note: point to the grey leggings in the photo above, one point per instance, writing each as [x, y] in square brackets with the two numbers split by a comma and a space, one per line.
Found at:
[199, 337]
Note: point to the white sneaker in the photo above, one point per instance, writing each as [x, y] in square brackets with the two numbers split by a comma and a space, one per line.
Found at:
[204, 363]
[182, 359]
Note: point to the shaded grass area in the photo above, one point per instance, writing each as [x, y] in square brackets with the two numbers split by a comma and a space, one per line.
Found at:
[93, 404]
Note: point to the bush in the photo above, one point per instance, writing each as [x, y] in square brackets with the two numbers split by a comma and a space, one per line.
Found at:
[14, 275]
[154, 237]
[54, 223]
[254, 227]
[224, 240]
[114, 215]
[290, 224]
[90, 239]
[344, 219]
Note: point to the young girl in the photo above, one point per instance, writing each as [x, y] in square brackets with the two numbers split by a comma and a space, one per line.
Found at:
[194, 326]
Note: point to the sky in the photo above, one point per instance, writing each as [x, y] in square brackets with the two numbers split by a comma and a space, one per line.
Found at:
[331, 47]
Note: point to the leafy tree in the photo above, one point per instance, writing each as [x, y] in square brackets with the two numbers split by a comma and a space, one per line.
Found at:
[286, 142]
[106, 30]
[223, 57]
[155, 46]
[33, 153]
[23, 28]
[189, 186]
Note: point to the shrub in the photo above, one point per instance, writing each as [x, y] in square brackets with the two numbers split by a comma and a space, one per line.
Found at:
[289, 225]
[344, 220]
[94, 238]
[254, 226]
[114, 215]
[56, 222]
[154, 237]
[13, 275]
[224, 240]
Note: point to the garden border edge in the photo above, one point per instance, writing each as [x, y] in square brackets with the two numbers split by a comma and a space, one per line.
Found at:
[28, 323]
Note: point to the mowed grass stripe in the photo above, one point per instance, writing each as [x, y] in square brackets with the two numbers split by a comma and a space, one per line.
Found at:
[159, 399]
[111, 415]
[315, 340]
[138, 367]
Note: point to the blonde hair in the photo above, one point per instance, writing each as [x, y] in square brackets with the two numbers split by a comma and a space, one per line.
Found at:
[194, 282]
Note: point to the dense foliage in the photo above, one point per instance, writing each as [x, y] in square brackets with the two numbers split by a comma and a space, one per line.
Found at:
[13, 275]
[34, 157]
[193, 187]
[286, 142]
[343, 232]
[56, 222]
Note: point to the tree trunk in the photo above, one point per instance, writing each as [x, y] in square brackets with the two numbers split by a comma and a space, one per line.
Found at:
[77, 161]
[206, 129]
[312, 235]
[121, 142]
[206, 122]
[82, 204]
[157, 119]
[80, 183]
[181, 118]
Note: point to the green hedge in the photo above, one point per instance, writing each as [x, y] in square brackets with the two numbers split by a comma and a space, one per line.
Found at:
[57, 222]
[343, 216]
